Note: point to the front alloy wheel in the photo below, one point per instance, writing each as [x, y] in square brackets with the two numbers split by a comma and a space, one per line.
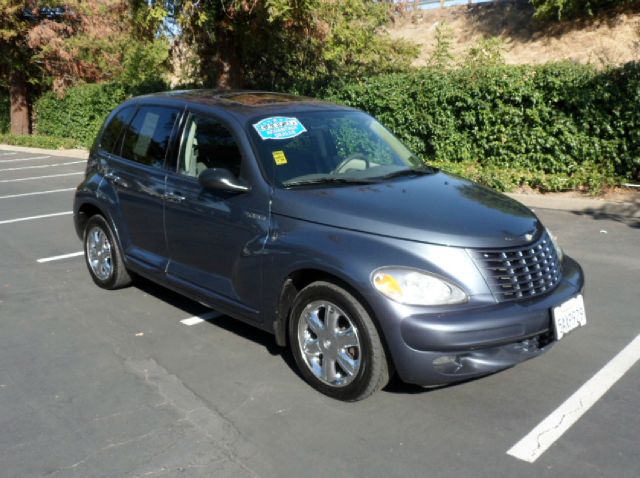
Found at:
[329, 343]
[336, 344]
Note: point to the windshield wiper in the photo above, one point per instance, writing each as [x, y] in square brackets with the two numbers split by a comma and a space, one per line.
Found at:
[410, 172]
[327, 180]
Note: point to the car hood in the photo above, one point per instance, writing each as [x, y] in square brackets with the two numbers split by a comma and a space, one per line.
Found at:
[439, 209]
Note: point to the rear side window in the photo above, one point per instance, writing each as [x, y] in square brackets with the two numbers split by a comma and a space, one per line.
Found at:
[147, 138]
[111, 134]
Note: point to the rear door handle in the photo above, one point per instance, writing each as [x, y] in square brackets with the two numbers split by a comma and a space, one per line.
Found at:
[174, 197]
[116, 179]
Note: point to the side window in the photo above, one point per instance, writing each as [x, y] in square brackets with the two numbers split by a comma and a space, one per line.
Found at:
[208, 144]
[111, 134]
[147, 138]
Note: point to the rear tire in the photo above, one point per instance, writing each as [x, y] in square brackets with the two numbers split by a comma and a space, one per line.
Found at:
[103, 255]
[335, 343]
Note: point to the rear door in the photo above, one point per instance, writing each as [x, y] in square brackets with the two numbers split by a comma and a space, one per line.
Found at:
[138, 176]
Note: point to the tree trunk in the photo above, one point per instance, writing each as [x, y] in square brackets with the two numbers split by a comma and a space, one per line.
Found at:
[19, 98]
[229, 67]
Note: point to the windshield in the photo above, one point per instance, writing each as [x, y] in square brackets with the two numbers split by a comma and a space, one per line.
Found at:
[332, 147]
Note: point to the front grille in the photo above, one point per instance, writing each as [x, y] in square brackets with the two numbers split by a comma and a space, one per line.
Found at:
[520, 272]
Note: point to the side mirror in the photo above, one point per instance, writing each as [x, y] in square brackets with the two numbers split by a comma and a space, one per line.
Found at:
[221, 179]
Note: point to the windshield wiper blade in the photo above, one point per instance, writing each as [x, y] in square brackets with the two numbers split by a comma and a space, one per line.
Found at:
[329, 180]
[410, 172]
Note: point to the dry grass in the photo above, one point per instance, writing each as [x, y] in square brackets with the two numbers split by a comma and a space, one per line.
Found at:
[610, 39]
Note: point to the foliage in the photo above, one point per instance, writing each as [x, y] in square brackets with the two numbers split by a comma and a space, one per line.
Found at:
[551, 127]
[98, 41]
[79, 114]
[289, 44]
[564, 9]
[441, 56]
[38, 141]
[485, 53]
[15, 56]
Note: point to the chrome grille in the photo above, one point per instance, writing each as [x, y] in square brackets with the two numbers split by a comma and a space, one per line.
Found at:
[519, 272]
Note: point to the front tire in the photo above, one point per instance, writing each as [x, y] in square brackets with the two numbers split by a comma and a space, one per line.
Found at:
[335, 343]
[103, 255]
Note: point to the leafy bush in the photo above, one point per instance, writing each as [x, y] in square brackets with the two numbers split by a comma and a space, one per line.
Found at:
[36, 141]
[521, 125]
[80, 112]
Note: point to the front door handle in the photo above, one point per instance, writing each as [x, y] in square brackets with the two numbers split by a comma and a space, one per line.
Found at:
[174, 197]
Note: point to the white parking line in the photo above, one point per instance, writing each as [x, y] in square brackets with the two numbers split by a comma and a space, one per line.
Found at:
[61, 257]
[197, 319]
[31, 218]
[553, 427]
[39, 177]
[7, 154]
[23, 159]
[42, 166]
[51, 191]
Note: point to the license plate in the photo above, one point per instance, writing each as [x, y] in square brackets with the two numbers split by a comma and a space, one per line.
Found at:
[568, 316]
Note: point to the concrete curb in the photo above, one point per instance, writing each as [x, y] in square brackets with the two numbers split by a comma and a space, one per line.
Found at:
[69, 153]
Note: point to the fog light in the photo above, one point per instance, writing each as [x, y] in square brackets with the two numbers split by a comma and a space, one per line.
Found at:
[527, 346]
[447, 363]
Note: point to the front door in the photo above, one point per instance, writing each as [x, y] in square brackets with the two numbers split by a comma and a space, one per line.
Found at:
[215, 238]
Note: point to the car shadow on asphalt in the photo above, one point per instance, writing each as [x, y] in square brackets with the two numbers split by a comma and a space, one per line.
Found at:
[193, 308]
[626, 213]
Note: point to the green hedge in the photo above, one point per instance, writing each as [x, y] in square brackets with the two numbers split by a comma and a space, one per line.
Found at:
[541, 122]
[79, 114]
[551, 127]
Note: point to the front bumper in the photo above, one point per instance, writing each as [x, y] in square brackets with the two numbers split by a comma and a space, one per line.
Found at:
[442, 347]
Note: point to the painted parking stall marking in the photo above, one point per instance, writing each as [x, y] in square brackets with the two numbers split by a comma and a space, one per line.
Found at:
[197, 319]
[7, 154]
[41, 166]
[34, 178]
[31, 218]
[560, 420]
[36, 193]
[15, 160]
[60, 257]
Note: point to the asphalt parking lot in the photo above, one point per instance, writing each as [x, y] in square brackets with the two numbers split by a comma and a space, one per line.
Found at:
[132, 383]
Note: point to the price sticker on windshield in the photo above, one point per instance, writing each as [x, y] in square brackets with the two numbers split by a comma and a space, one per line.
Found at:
[279, 127]
[279, 157]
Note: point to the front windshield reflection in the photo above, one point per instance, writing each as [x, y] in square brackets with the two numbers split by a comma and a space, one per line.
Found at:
[330, 147]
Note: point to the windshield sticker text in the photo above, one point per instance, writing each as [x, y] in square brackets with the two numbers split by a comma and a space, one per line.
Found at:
[279, 127]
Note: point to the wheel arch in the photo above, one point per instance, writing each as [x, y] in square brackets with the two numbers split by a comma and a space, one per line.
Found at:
[298, 280]
[86, 210]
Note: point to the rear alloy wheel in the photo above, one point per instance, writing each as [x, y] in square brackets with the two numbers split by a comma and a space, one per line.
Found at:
[103, 256]
[336, 344]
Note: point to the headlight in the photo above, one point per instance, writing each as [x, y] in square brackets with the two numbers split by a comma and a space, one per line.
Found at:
[556, 245]
[413, 287]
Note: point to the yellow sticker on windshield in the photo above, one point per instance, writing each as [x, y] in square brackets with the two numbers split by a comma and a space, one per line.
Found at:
[279, 158]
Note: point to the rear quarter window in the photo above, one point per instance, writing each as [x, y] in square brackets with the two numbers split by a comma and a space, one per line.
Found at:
[111, 133]
[147, 137]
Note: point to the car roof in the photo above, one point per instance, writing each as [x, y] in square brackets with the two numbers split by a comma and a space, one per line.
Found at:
[243, 104]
